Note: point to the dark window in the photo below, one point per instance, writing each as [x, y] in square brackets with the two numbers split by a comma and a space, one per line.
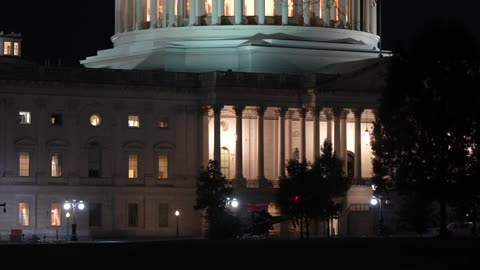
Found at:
[56, 119]
[132, 215]
[163, 215]
[94, 160]
[95, 214]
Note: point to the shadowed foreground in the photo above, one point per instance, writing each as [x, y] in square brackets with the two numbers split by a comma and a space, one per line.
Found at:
[415, 253]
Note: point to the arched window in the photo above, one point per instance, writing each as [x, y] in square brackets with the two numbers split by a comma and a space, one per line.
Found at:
[94, 160]
[225, 162]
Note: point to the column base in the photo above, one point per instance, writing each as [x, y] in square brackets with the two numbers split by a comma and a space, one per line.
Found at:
[264, 183]
[240, 182]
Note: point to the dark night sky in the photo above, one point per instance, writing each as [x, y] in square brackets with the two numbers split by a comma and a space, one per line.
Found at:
[72, 30]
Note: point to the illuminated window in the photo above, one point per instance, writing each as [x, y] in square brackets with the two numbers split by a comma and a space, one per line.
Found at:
[16, 48]
[24, 118]
[337, 10]
[24, 164]
[291, 9]
[163, 123]
[147, 11]
[159, 8]
[134, 121]
[56, 119]
[56, 166]
[24, 214]
[55, 215]
[95, 120]
[249, 8]
[208, 7]
[163, 215]
[95, 214]
[94, 160]
[269, 7]
[7, 46]
[228, 7]
[132, 215]
[225, 162]
[133, 166]
[163, 166]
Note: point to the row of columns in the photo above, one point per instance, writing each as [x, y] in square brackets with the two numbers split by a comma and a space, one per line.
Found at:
[338, 115]
[130, 14]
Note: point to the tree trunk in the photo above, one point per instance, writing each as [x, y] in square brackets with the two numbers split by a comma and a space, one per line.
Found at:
[301, 228]
[328, 227]
[443, 218]
[307, 227]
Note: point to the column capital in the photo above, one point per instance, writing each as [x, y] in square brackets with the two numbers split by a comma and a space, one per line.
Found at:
[344, 114]
[288, 114]
[239, 109]
[316, 111]
[281, 111]
[217, 109]
[357, 112]
[337, 111]
[261, 110]
[302, 112]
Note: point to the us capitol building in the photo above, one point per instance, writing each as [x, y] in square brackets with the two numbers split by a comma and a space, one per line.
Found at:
[248, 83]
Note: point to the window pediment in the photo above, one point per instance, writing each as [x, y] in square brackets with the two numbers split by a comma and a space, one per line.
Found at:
[163, 146]
[133, 146]
[57, 143]
[26, 141]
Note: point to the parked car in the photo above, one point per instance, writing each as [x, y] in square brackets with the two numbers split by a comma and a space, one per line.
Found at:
[461, 229]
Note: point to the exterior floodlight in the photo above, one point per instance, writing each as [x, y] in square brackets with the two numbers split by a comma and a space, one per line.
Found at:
[234, 203]
[81, 205]
[373, 201]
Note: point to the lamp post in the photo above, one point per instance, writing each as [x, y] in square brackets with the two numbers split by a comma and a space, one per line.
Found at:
[177, 213]
[378, 200]
[67, 215]
[74, 204]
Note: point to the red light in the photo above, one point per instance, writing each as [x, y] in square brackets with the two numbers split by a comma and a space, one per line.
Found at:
[296, 198]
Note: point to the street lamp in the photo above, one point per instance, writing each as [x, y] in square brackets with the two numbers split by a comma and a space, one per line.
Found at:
[232, 203]
[177, 213]
[74, 204]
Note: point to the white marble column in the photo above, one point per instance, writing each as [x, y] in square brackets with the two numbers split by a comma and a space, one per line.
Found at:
[192, 18]
[316, 9]
[171, 13]
[357, 172]
[284, 12]
[343, 139]
[118, 16]
[357, 14]
[260, 11]
[239, 179]
[165, 13]
[306, 12]
[139, 14]
[373, 19]
[336, 126]
[260, 138]
[129, 15]
[316, 132]
[288, 136]
[204, 133]
[343, 10]
[366, 16]
[215, 12]
[216, 134]
[303, 155]
[329, 117]
[153, 13]
[238, 11]
[281, 118]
